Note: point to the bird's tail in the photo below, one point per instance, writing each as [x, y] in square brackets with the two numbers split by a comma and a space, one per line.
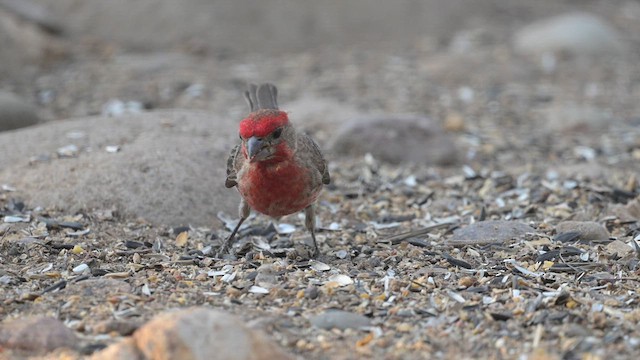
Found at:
[263, 96]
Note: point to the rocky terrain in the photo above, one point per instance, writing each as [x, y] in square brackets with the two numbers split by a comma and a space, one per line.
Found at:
[484, 157]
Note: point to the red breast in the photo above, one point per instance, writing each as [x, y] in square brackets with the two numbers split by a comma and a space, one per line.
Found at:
[277, 189]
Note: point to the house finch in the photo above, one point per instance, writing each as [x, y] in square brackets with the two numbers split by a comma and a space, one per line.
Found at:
[277, 170]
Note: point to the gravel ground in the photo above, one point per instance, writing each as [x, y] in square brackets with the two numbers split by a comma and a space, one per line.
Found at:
[485, 296]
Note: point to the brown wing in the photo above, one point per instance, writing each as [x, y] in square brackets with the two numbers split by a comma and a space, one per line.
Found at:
[307, 144]
[232, 171]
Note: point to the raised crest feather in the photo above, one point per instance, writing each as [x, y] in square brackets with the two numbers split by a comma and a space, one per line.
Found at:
[263, 96]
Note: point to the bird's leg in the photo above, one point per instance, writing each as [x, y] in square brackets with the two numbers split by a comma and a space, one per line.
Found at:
[228, 241]
[244, 211]
[310, 223]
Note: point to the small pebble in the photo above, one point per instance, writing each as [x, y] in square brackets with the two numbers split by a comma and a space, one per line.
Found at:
[341, 279]
[81, 268]
[36, 334]
[16, 219]
[339, 319]
[258, 290]
[588, 230]
[68, 151]
[618, 247]
[319, 266]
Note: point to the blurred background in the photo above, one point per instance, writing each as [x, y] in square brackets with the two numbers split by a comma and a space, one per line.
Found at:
[71, 58]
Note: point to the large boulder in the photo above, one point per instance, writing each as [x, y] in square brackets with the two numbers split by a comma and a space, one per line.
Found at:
[36, 335]
[196, 333]
[397, 139]
[167, 167]
[574, 33]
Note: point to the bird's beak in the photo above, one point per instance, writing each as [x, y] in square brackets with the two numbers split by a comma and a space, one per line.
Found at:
[254, 146]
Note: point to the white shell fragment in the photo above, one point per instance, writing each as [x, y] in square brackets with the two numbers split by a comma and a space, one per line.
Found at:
[585, 152]
[334, 226]
[116, 107]
[229, 277]
[81, 268]
[230, 223]
[410, 181]
[262, 243]
[468, 171]
[47, 268]
[225, 270]
[284, 229]
[78, 233]
[68, 151]
[195, 90]
[466, 94]
[17, 218]
[522, 269]
[455, 296]
[112, 149]
[341, 279]
[319, 266]
[381, 226]
[8, 188]
[145, 290]
[258, 290]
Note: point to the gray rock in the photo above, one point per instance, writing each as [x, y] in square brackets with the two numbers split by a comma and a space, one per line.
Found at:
[577, 33]
[37, 335]
[570, 117]
[397, 139]
[339, 319]
[589, 230]
[25, 46]
[493, 231]
[619, 247]
[587, 170]
[321, 116]
[267, 276]
[170, 167]
[626, 213]
[16, 113]
[196, 333]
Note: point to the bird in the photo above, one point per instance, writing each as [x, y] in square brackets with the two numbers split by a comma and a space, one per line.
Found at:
[276, 169]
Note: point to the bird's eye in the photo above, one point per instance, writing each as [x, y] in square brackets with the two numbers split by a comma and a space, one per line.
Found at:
[277, 133]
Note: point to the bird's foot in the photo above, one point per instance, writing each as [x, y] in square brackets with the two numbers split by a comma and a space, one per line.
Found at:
[223, 250]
